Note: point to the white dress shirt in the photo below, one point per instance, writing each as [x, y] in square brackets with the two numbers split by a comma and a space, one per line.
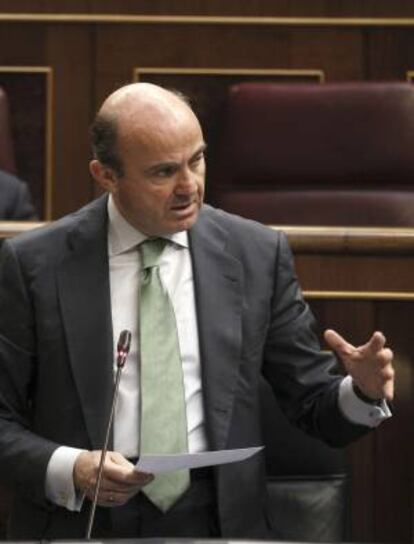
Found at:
[177, 277]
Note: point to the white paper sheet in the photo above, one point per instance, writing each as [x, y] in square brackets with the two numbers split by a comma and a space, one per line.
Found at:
[157, 463]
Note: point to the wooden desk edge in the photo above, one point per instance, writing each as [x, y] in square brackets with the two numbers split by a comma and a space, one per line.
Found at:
[314, 239]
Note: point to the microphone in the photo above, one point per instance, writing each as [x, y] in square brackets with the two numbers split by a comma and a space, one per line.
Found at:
[123, 345]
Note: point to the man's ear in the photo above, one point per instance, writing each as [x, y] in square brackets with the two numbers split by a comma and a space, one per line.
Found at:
[104, 176]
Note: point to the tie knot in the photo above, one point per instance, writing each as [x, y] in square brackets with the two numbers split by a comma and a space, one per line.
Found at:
[151, 251]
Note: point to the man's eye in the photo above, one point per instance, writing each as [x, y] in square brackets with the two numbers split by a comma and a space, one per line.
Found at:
[199, 157]
[165, 172]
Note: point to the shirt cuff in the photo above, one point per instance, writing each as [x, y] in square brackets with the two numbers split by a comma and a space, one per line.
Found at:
[358, 411]
[59, 486]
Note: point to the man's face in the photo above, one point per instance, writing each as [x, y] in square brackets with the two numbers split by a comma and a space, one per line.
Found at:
[162, 188]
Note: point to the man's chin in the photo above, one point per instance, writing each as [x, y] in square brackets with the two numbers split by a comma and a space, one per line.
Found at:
[186, 224]
[183, 224]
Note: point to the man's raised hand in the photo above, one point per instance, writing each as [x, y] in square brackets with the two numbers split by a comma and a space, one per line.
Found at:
[370, 365]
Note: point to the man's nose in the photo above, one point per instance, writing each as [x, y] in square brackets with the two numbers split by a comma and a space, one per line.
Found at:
[186, 182]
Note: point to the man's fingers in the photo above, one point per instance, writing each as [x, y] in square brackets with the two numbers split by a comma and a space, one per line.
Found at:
[118, 459]
[122, 479]
[118, 492]
[118, 468]
[136, 481]
[375, 343]
[114, 498]
[385, 357]
[336, 342]
[119, 476]
[389, 390]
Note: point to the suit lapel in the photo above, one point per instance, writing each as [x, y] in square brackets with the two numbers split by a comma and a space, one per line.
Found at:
[83, 284]
[218, 280]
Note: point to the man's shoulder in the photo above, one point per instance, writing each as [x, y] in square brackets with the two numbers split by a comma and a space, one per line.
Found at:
[238, 226]
[246, 240]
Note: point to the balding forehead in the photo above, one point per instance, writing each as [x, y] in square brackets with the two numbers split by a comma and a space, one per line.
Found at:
[141, 98]
[144, 111]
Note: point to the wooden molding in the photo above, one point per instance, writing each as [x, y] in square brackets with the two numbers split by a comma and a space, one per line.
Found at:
[206, 20]
[350, 240]
[315, 74]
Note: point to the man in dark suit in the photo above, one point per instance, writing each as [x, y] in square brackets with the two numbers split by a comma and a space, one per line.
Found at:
[15, 200]
[66, 292]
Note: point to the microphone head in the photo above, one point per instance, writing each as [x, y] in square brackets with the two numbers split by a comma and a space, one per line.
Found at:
[124, 343]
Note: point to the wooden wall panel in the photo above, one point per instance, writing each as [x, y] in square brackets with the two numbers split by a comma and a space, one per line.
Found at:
[395, 445]
[389, 52]
[337, 51]
[70, 52]
[324, 273]
[92, 57]
[382, 464]
[22, 44]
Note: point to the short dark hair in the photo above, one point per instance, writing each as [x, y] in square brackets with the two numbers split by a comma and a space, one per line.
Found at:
[103, 134]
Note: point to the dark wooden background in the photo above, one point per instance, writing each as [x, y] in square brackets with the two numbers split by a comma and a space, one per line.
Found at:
[89, 48]
[94, 46]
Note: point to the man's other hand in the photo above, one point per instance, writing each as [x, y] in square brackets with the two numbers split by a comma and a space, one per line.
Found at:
[369, 365]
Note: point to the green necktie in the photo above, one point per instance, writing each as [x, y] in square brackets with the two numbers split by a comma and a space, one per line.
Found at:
[163, 421]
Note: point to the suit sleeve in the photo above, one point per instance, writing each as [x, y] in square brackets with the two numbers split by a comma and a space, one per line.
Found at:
[302, 377]
[23, 455]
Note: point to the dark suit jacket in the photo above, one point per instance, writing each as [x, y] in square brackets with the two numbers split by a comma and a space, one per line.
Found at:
[15, 199]
[56, 358]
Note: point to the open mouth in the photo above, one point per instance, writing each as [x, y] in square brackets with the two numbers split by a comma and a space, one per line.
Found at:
[183, 208]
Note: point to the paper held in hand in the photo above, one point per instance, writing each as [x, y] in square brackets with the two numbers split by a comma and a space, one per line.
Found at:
[159, 463]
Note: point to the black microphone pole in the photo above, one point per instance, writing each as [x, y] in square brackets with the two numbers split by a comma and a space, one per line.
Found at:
[124, 343]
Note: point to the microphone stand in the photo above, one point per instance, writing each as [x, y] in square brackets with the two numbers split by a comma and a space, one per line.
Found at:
[123, 346]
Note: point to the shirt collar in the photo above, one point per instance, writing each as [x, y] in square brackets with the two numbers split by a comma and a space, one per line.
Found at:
[122, 236]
